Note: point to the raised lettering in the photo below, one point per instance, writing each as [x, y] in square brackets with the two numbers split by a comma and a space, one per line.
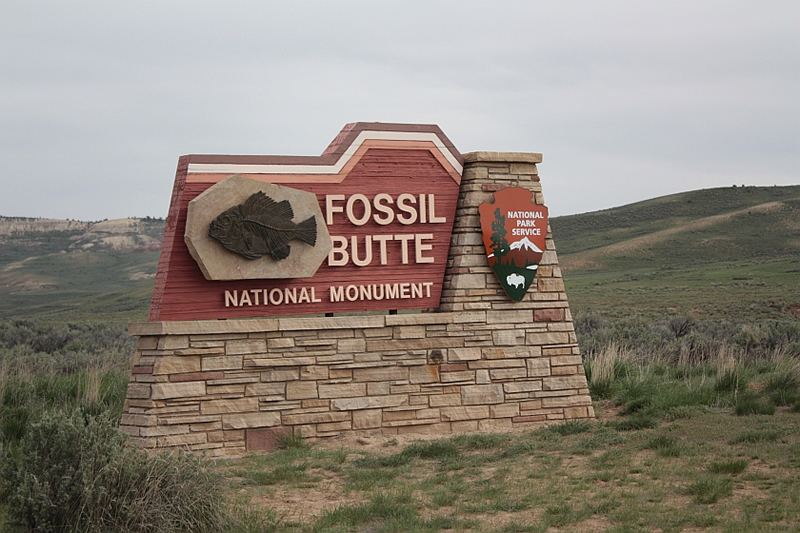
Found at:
[365, 292]
[411, 215]
[419, 247]
[416, 290]
[231, 298]
[351, 296]
[351, 213]
[330, 209]
[382, 240]
[404, 238]
[244, 299]
[337, 294]
[432, 218]
[256, 293]
[304, 298]
[276, 297]
[392, 291]
[367, 254]
[404, 291]
[375, 291]
[338, 255]
[290, 295]
[385, 209]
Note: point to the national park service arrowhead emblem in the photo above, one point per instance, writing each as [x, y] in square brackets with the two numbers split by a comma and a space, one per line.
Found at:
[514, 230]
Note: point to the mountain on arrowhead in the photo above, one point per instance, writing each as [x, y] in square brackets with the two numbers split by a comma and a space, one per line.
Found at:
[525, 244]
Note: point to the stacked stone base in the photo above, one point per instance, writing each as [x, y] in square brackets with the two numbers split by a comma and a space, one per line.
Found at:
[227, 387]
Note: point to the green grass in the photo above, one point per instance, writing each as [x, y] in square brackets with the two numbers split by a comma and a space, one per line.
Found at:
[710, 489]
[756, 436]
[667, 460]
[750, 403]
[696, 473]
[665, 446]
[733, 466]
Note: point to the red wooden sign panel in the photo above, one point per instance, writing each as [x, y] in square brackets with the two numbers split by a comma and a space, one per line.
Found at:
[388, 193]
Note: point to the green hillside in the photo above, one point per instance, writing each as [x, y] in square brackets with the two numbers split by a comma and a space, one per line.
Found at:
[79, 286]
[588, 231]
[728, 252]
[70, 271]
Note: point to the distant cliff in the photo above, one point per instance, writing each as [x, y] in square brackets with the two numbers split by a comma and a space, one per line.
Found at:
[21, 238]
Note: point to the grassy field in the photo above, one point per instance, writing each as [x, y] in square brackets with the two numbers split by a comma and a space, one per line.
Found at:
[747, 289]
[706, 443]
[88, 287]
[700, 469]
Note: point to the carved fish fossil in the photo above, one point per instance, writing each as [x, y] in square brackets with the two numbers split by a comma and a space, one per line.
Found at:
[261, 226]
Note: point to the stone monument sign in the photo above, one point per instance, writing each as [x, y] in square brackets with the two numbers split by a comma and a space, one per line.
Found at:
[460, 329]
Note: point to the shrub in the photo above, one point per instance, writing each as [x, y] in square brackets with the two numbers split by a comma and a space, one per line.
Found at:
[72, 472]
[680, 325]
[571, 427]
[731, 380]
[710, 489]
[665, 446]
[636, 393]
[734, 466]
[42, 346]
[783, 386]
[750, 403]
[756, 436]
[783, 379]
[26, 396]
[605, 366]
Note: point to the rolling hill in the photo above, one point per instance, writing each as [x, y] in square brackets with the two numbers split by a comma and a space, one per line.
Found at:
[75, 271]
[725, 252]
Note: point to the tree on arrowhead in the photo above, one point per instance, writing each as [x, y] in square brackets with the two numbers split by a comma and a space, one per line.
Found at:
[499, 242]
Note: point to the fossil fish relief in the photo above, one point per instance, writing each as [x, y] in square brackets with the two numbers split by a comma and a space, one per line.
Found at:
[261, 226]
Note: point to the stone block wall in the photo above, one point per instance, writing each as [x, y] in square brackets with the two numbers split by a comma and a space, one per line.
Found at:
[480, 362]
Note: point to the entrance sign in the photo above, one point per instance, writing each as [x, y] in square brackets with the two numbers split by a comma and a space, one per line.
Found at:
[365, 226]
[514, 229]
[386, 196]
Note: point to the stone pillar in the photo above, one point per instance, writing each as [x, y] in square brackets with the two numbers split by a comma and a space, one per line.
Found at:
[469, 283]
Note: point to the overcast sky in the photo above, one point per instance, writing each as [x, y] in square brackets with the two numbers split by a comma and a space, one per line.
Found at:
[627, 100]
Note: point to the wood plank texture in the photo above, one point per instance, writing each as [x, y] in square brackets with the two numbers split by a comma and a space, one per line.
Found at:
[182, 293]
